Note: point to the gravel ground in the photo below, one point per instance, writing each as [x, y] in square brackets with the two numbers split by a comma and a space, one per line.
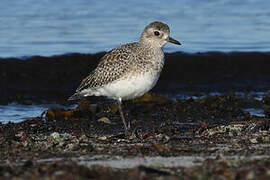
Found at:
[207, 138]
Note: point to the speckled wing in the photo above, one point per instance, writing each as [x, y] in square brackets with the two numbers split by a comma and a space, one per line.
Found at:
[111, 67]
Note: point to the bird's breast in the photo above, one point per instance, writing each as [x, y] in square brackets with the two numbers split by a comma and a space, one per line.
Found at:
[140, 77]
[130, 86]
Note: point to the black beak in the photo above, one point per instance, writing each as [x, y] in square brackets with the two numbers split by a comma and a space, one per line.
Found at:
[171, 40]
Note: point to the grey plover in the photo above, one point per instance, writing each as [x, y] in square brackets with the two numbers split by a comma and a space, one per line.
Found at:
[128, 71]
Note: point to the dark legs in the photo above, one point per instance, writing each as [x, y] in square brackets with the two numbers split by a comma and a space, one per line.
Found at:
[122, 116]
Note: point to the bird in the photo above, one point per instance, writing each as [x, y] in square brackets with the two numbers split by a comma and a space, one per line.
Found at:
[130, 70]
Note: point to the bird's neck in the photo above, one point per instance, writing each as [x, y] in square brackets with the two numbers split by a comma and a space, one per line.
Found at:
[149, 44]
[153, 53]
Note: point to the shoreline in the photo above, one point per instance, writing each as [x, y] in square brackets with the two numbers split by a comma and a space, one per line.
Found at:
[55, 78]
[187, 139]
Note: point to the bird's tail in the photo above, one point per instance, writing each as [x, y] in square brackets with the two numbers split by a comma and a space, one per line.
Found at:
[75, 97]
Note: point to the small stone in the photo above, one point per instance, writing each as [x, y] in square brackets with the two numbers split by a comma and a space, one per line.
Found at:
[162, 137]
[104, 120]
[59, 173]
[157, 165]
[73, 147]
[84, 151]
[66, 136]
[266, 139]
[251, 175]
[253, 140]
[55, 135]
[83, 138]
[102, 138]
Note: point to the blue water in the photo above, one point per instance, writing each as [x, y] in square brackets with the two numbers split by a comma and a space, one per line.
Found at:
[49, 27]
[15, 112]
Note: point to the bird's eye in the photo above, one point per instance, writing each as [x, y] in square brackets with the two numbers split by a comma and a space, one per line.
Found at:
[156, 33]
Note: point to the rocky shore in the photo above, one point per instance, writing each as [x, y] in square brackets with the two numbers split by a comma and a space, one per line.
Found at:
[208, 138]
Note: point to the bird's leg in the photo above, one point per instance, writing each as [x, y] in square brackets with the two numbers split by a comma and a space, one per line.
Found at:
[122, 115]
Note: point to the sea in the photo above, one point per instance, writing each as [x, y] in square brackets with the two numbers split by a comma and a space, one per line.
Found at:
[48, 27]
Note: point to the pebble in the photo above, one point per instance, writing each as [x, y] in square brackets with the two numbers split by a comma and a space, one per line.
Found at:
[104, 120]
[102, 138]
[253, 140]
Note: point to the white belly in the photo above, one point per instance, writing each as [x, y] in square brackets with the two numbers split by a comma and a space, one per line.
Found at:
[129, 88]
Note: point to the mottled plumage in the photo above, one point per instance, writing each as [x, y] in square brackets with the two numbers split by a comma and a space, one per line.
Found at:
[112, 66]
[130, 70]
